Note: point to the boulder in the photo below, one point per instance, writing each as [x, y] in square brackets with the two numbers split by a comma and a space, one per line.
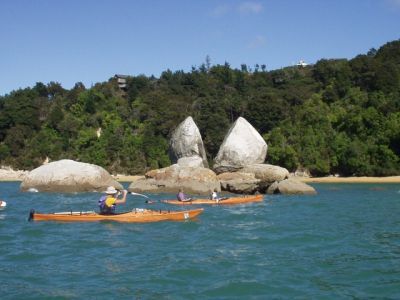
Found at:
[172, 178]
[266, 173]
[238, 182]
[186, 141]
[143, 184]
[273, 188]
[290, 186]
[242, 146]
[193, 161]
[68, 176]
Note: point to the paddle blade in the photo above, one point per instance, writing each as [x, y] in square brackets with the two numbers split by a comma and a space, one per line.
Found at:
[137, 194]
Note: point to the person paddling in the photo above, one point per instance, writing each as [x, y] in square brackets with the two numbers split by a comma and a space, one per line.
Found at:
[214, 196]
[110, 200]
[182, 197]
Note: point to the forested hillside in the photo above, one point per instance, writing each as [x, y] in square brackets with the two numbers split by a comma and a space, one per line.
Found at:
[337, 116]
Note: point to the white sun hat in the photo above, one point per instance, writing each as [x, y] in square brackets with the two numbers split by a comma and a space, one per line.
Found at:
[111, 190]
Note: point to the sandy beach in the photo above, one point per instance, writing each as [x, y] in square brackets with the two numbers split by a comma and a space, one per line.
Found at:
[332, 179]
[126, 178]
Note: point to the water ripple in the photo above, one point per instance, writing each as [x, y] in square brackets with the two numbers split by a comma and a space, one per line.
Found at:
[342, 243]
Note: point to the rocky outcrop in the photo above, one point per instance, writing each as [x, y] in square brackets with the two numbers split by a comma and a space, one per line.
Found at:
[262, 178]
[266, 173]
[238, 182]
[186, 142]
[68, 176]
[171, 179]
[193, 161]
[7, 173]
[242, 146]
[142, 184]
[289, 187]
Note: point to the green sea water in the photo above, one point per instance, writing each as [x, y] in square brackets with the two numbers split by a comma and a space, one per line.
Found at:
[343, 243]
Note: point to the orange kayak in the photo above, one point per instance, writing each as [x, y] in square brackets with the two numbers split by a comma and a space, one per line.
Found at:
[233, 200]
[134, 216]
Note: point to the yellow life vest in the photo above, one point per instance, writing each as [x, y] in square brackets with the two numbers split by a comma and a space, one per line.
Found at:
[110, 201]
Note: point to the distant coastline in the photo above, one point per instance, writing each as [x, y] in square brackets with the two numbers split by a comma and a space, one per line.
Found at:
[10, 175]
[362, 179]
[329, 179]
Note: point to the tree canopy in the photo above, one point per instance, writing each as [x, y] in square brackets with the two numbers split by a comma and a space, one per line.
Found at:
[336, 116]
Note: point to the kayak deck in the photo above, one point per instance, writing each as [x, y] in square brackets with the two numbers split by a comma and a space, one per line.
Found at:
[228, 201]
[134, 216]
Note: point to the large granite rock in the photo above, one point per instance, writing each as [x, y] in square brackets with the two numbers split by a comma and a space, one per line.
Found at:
[171, 179]
[238, 182]
[186, 141]
[193, 161]
[266, 173]
[290, 186]
[68, 176]
[242, 146]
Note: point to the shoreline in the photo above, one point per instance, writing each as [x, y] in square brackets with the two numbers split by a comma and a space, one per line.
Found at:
[330, 179]
[362, 179]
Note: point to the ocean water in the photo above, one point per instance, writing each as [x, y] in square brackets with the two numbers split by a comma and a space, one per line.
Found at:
[343, 243]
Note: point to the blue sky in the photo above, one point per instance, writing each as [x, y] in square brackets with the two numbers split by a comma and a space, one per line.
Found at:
[68, 41]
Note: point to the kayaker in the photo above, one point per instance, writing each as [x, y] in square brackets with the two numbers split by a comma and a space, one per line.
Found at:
[214, 196]
[110, 200]
[182, 197]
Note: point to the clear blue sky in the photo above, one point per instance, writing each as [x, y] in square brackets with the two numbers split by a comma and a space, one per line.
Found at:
[68, 41]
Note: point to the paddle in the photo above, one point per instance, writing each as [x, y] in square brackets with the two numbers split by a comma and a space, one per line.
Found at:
[147, 201]
[137, 194]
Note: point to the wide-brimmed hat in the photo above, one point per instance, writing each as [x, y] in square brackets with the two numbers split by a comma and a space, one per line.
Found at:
[111, 190]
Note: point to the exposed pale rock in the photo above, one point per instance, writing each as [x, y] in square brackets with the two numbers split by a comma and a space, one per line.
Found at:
[143, 184]
[171, 179]
[193, 161]
[266, 173]
[242, 146]
[291, 186]
[186, 141]
[273, 188]
[68, 176]
[238, 182]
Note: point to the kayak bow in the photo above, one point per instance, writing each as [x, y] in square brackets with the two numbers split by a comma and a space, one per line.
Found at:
[134, 216]
[227, 201]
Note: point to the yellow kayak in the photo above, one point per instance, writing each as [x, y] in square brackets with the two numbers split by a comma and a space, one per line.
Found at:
[134, 216]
